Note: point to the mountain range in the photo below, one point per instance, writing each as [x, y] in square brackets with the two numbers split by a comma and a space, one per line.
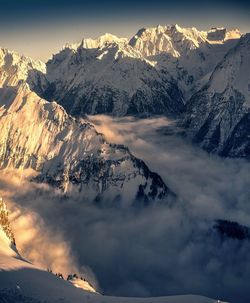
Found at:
[164, 70]
[152, 73]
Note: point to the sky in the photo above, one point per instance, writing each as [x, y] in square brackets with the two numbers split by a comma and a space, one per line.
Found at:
[39, 28]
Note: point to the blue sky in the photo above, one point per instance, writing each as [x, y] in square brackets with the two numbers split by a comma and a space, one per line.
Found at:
[28, 25]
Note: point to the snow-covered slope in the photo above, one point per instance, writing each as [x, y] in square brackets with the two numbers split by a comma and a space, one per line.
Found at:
[67, 153]
[113, 78]
[21, 281]
[218, 116]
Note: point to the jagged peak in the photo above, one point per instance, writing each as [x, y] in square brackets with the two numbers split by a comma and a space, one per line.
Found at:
[172, 39]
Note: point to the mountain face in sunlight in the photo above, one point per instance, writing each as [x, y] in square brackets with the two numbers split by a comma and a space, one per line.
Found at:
[67, 153]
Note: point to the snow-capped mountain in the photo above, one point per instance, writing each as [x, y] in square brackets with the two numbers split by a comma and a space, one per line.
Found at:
[143, 76]
[113, 78]
[186, 53]
[68, 153]
[170, 39]
[218, 116]
[98, 42]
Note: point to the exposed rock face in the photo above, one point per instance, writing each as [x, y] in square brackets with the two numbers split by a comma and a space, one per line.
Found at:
[218, 116]
[4, 222]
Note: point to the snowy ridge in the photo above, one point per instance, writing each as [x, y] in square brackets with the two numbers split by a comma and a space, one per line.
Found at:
[146, 75]
[101, 41]
[67, 153]
[15, 67]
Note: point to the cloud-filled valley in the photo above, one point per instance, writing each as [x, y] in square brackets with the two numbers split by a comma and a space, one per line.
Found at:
[155, 251]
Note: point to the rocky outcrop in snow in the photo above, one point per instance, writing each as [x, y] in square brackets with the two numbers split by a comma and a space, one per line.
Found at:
[4, 222]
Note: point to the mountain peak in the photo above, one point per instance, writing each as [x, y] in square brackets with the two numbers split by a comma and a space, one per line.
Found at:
[99, 42]
[171, 39]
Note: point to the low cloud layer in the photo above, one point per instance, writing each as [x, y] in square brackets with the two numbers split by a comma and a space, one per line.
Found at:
[159, 250]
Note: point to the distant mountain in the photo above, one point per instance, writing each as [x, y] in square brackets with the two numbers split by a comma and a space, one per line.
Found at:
[154, 72]
[186, 53]
[218, 116]
[171, 39]
[99, 42]
[112, 78]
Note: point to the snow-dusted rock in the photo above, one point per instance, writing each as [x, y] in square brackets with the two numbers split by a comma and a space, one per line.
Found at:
[218, 116]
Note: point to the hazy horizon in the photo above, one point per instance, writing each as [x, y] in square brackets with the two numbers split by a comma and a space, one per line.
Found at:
[25, 27]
